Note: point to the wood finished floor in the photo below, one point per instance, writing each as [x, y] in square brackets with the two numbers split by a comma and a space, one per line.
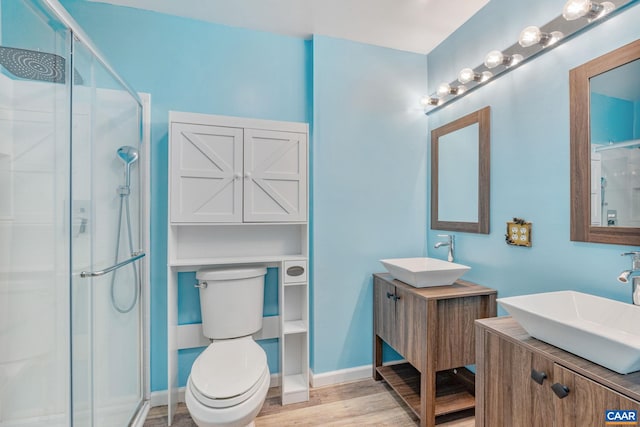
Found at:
[361, 403]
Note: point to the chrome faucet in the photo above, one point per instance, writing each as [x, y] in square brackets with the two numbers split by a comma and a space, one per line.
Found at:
[634, 274]
[451, 239]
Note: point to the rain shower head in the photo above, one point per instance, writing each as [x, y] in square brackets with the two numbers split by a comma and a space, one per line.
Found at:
[35, 65]
[129, 156]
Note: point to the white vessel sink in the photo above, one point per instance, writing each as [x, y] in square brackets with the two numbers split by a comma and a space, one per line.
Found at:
[601, 330]
[424, 272]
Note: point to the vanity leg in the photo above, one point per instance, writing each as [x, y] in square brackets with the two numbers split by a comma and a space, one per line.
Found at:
[377, 358]
[428, 374]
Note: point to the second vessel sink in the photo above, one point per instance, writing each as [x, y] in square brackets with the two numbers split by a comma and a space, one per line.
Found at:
[598, 329]
[424, 272]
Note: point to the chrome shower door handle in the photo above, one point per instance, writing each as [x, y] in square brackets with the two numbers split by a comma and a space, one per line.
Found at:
[136, 256]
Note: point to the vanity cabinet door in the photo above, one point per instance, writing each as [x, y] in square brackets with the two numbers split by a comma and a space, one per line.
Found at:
[411, 333]
[511, 397]
[586, 401]
[384, 306]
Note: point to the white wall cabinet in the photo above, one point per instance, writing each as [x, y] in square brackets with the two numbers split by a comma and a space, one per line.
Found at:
[238, 195]
[237, 174]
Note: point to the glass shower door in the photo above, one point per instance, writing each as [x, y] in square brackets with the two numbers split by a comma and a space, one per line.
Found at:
[106, 237]
[34, 184]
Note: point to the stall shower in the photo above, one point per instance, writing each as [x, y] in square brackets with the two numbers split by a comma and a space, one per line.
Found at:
[72, 256]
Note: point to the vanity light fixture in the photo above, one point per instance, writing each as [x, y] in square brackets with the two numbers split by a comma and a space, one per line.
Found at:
[532, 35]
[495, 58]
[532, 41]
[576, 9]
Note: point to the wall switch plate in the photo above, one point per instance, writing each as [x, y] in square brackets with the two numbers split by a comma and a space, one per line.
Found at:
[518, 232]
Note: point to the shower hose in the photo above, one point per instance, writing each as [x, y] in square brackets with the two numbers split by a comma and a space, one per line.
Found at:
[124, 201]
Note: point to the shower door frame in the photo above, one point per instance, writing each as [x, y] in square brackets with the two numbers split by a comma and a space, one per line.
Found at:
[145, 273]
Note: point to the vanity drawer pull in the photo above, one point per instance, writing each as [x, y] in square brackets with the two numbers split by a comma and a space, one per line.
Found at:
[538, 376]
[560, 390]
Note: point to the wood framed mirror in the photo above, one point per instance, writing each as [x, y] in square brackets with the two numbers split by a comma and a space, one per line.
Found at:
[605, 148]
[460, 159]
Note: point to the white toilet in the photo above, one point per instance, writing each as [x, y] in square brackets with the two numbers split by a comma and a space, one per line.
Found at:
[230, 379]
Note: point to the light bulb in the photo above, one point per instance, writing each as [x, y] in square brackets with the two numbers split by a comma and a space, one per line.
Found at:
[427, 101]
[516, 59]
[574, 9]
[486, 75]
[493, 59]
[553, 38]
[530, 36]
[607, 7]
[444, 89]
[466, 75]
[462, 89]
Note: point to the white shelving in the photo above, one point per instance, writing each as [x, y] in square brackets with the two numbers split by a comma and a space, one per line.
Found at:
[294, 315]
[217, 217]
[295, 368]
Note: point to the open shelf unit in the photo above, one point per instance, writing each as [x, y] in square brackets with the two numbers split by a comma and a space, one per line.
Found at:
[295, 369]
[219, 217]
[294, 332]
[453, 391]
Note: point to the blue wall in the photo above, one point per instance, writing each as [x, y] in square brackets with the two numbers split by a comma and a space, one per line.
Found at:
[189, 65]
[369, 179]
[530, 152]
[368, 153]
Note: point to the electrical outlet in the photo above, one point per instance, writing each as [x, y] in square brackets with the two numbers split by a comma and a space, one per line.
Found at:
[518, 233]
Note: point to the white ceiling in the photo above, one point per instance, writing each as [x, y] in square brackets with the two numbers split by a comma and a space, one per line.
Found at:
[410, 25]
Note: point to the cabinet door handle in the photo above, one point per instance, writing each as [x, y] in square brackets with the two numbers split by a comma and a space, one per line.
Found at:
[560, 390]
[394, 296]
[538, 376]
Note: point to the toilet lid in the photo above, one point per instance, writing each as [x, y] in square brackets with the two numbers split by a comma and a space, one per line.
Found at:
[228, 368]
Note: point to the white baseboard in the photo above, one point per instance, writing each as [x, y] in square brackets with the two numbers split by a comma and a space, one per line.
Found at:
[340, 376]
[159, 398]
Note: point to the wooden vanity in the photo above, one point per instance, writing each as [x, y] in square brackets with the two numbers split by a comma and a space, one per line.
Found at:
[522, 381]
[433, 329]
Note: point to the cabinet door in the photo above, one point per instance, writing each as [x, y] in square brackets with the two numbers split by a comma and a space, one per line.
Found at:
[206, 171]
[587, 401]
[275, 176]
[384, 308]
[511, 397]
[410, 332]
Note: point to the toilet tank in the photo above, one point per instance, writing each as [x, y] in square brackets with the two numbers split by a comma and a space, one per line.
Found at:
[232, 300]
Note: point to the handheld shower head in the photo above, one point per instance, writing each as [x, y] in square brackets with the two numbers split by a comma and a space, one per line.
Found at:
[129, 155]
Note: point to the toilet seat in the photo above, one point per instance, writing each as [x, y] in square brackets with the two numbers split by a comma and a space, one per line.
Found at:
[228, 372]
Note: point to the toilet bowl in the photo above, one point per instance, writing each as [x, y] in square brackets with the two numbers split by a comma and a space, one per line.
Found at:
[228, 384]
[229, 380]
